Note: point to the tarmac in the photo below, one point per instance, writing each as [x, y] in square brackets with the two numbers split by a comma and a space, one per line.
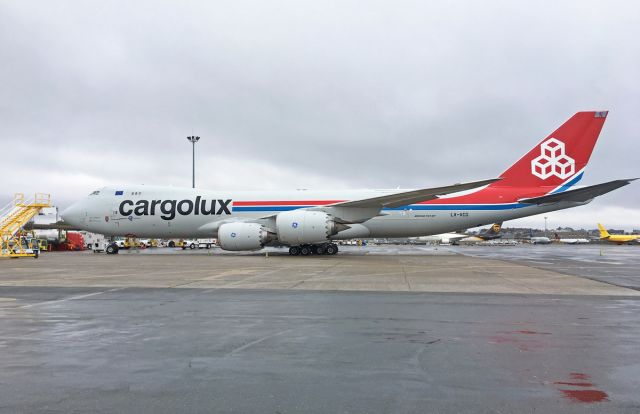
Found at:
[618, 265]
[372, 330]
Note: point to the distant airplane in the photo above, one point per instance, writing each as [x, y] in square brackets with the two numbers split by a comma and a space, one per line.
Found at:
[454, 238]
[572, 241]
[309, 221]
[617, 238]
[444, 238]
[491, 233]
[540, 240]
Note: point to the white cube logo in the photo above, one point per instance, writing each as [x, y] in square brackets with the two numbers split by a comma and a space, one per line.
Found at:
[552, 148]
[553, 161]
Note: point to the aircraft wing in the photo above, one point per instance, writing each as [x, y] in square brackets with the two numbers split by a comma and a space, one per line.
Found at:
[579, 195]
[415, 196]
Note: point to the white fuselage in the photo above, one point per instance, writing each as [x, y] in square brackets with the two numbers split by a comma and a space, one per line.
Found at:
[168, 212]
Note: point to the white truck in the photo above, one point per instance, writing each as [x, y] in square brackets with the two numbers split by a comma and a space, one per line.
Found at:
[199, 243]
[94, 242]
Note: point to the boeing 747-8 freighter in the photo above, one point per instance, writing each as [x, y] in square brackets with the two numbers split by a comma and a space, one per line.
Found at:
[309, 221]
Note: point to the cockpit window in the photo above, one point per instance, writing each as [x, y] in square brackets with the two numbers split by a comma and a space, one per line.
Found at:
[97, 192]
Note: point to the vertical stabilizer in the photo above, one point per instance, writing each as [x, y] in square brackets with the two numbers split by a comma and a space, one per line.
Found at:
[559, 159]
[492, 232]
[604, 234]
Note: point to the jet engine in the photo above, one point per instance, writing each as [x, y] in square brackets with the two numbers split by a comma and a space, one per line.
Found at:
[298, 227]
[243, 236]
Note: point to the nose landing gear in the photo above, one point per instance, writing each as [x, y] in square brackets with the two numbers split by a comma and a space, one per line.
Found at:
[112, 248]
[309, 249]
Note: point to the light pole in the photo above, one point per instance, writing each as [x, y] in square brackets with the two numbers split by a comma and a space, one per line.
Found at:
[193, 139]
[545, 225]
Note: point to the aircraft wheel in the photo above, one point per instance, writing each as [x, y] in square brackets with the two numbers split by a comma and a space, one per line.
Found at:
[305, 250]
[332, 249]
[321, 249]
[172, 244]
[294, 250]
[112, 249]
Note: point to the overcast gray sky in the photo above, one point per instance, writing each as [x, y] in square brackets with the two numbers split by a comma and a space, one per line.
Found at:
[312, 94]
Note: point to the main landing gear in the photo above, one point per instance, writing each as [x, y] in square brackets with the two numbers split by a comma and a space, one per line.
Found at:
[308, 249]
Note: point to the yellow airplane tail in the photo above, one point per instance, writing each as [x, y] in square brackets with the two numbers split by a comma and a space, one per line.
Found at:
[604, 234]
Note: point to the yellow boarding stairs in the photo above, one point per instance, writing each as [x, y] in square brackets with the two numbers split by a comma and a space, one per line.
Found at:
[13, 217]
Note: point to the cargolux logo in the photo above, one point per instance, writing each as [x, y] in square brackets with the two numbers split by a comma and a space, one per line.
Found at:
[167, 209]
[553, 161]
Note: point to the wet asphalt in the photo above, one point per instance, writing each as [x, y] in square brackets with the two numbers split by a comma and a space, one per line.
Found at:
[161, 350]
[616, 265]
[169, 350]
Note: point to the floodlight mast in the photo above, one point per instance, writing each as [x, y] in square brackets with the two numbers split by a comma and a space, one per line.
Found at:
[193, 139]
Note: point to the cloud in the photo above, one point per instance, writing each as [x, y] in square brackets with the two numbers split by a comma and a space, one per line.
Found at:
[321, 95]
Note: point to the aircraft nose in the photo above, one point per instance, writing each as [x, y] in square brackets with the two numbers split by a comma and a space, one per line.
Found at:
[72, 214]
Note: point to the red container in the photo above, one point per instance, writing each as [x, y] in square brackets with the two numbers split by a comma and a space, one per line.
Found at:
[75, 241]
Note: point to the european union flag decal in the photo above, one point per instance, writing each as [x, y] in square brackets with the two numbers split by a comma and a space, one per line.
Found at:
[119, 192]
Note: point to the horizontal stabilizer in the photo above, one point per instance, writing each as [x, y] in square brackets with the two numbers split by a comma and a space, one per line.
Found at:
[579, 195]
[415, 196]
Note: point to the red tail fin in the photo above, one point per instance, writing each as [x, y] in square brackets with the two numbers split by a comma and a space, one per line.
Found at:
[560, 158]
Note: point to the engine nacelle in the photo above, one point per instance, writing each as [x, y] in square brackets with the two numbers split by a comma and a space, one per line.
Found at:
[298, 227]
[242, 236]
